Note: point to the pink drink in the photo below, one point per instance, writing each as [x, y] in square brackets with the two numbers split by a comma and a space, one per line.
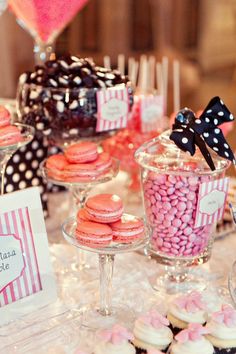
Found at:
[46, 18]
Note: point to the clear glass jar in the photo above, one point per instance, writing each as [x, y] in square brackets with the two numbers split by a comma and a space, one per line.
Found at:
[170, 183]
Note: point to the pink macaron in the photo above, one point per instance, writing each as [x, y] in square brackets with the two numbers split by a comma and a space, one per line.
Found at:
[5, 117]
[80, 172]
[55, 165]
[128, 229]
[10, 135]
[93, 234]
[82, 215]
[81, 152]
[103, 162]
[104, 208]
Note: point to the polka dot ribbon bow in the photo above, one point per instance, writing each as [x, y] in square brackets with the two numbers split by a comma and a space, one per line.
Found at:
[155, 319]
[116, 335]
[226, 316]
[189, 131]
[191, 302]
[194, 332]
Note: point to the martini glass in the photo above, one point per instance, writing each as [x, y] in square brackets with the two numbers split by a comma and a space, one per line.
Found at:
[104, 314]
[80, 190]
[7, 151]
[44, 20]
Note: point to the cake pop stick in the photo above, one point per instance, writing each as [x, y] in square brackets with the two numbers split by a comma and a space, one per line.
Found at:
[159, 78]
[121, 63]
[151, 73]
[107, 62]
[176, 85]
[165, 65]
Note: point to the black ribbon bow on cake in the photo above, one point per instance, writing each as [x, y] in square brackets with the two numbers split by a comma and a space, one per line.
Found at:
[188, 131]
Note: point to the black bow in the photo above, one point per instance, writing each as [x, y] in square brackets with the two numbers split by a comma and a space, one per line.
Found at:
[189, 131]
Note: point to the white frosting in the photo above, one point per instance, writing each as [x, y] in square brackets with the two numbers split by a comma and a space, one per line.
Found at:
[128, 232]
[100, 213]
[221, 331]
[190, 317]
[109, 348]
[160, 337]
[192, 347]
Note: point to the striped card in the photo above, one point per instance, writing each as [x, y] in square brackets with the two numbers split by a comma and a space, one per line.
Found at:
[152, 110]
[112, 109]
[211, 201]
[19, 272]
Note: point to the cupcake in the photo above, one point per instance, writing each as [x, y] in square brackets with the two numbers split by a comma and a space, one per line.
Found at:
[115, 341]
[222, 328]
[192, 341]
[186, 309]
[151, 331]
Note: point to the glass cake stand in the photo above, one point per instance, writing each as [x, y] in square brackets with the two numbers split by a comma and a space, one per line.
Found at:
[104, 315]
[7, 151]
[80, 191]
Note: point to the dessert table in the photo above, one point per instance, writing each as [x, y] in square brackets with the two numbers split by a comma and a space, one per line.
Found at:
[57, 328]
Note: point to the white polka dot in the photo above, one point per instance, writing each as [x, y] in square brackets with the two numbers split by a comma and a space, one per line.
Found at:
[226, 145]
[215, 121]
[184, 140]
[28, 174]
[231, 116]
[217, 131]
[22, 184]
[28, 155]
[55, 189]
[45, 143]
[23, 149]
[209, 111]
[226, 154]
[215, 148]
[9, 188]
[44, 197]
[215, 140]
[206, 135]
[35, 181]
[16, 158]
[34, 164]
[53, 150]
[191, 130]
[9, 170]
[220, 114]
[16, 177]
[35, 145]
[22, 167]
[207, 120]
[39, 153]
[198, 121]
[38, 173]
[222, 102]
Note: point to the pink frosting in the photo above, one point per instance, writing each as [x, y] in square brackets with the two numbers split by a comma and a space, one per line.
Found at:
[226, 316]
[155, 319]
[194, 332]
[191, 302]
[116, 335]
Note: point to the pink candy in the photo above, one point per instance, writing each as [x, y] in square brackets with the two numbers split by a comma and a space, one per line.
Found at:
[171, 203]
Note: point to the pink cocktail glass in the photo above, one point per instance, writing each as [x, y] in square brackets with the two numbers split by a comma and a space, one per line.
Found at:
[45, 19]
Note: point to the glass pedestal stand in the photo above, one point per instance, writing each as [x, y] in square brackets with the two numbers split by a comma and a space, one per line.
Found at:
[6, 152]
[80, 191]
[105, 314]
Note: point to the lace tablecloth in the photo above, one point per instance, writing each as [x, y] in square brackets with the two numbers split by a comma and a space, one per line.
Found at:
[57, 328]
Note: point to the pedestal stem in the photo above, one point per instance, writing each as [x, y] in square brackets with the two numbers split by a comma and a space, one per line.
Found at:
[177, 273]
[106, 263]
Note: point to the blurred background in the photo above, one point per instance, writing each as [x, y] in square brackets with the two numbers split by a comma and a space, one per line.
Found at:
[201, 34]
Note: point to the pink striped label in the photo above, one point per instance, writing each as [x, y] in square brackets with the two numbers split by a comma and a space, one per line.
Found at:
[112, 109]
[211, 201]
[151, 111]
[19, 271]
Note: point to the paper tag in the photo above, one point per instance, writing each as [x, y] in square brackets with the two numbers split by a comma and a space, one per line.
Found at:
[112, 109]
[211, 201]
[151, 111]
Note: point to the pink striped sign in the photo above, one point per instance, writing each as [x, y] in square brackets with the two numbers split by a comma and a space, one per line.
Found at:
[19, 271]
[112, 109]
[152, 112]
[211, 201]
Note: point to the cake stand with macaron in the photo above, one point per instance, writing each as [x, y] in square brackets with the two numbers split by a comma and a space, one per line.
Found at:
[80, 168]
[12, 137]
[102, 228]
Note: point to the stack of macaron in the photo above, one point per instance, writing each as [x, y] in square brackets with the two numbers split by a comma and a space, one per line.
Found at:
[80, 162]
[102, 221]
[9, 134]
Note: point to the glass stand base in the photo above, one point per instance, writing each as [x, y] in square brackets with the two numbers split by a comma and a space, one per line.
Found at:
[93, 319]
[163, 282]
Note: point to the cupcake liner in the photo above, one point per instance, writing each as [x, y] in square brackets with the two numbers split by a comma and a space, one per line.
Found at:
[175, 330]
[144, 351]
[224, 350]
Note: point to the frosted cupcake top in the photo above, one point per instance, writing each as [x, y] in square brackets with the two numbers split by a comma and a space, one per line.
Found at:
[222, 324]
[192, 341]
[115, 341]
[190, 308]
[152, 328]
